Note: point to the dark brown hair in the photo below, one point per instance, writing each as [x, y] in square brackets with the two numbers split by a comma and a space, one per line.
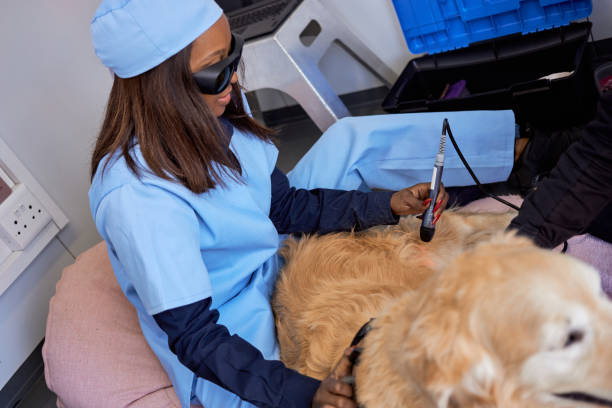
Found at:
[163, 111]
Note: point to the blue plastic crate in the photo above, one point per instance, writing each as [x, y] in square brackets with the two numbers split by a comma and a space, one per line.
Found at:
[440, 25]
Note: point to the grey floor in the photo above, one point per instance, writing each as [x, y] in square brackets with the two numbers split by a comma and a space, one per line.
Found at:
[293, 141]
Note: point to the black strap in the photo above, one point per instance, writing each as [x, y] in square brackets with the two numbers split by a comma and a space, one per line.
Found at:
[356, 353]
[361, 333]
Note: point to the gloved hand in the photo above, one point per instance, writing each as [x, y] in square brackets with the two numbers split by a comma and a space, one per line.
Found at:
[415, 200]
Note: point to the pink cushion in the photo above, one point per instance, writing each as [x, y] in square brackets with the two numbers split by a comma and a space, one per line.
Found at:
[95, 354]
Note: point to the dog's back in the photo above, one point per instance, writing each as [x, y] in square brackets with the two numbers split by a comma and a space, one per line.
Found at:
[333, 284]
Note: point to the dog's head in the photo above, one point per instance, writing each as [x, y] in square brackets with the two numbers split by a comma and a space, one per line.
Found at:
[505, 325]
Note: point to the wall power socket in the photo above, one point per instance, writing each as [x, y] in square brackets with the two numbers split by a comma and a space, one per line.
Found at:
[22, 218]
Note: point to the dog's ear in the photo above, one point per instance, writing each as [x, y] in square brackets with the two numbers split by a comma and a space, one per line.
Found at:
[431, 349]
[476, 387]
[479, 382]
[453, 367]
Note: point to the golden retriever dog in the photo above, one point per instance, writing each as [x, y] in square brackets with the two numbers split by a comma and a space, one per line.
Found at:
[475, 318]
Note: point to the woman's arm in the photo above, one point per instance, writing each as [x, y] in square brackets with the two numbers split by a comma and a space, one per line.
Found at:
[155, 235]
[325, 210]
[208, 349]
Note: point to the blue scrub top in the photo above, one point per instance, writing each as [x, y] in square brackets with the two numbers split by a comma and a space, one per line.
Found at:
[170, 247]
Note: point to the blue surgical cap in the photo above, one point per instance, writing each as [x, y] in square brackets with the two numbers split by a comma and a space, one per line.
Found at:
[132, 36]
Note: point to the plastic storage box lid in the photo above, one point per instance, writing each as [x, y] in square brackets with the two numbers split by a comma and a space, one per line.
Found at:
[440, 25]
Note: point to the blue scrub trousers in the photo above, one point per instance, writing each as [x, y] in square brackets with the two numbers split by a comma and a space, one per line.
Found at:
[392, 152]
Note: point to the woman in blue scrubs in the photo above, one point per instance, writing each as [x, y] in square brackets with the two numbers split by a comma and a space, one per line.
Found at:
[186, 194]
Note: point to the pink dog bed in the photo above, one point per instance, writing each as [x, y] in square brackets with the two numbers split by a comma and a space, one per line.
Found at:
[96, 356]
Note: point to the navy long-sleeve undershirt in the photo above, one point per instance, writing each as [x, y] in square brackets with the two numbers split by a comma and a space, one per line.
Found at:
[208, 349]
[324, 210]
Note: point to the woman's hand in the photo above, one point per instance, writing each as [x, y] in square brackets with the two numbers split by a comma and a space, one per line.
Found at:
[333, 392]
[414, 200]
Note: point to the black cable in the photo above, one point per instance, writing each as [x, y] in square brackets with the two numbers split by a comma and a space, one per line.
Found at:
[482, 189]
[469, 169]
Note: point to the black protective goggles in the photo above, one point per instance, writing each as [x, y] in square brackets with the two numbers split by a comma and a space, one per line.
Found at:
[214, 79]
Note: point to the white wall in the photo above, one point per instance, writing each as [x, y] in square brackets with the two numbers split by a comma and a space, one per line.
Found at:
[602, 19]
[52, 96]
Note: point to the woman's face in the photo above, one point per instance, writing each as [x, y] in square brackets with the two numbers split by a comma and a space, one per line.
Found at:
[209, 48]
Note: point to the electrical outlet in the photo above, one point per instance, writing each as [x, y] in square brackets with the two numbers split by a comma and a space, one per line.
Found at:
[22, 217]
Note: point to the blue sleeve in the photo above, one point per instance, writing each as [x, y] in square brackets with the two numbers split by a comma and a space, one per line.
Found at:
[153, 231]
[324, 210]
[208, 349]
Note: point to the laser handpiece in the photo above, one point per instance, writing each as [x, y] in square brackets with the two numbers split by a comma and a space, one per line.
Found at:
[427, 226]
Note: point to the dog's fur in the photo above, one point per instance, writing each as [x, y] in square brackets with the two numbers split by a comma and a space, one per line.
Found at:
[472, 319]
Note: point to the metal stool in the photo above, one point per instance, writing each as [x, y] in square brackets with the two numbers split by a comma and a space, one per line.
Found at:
[282, 61]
